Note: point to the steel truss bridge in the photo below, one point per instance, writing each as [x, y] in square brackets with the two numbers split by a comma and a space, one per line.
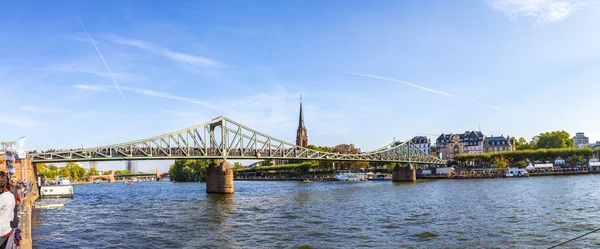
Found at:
[223, 138]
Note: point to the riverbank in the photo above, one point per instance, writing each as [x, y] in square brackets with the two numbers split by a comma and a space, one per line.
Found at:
[563, 173]
[25, 224]
[285, 179]
[431, 177]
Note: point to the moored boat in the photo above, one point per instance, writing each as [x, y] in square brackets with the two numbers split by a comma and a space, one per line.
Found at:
[62, 190]
[347, 175]
[379, 177]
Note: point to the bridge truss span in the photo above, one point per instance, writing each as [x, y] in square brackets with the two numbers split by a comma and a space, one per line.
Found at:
[223, 138]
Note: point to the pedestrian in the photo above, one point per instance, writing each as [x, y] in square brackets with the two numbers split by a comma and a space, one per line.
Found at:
[7, 206]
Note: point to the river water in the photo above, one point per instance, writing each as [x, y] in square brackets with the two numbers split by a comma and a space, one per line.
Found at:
[534, 212]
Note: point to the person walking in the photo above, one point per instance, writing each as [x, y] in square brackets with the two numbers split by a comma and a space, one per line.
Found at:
[7, 207]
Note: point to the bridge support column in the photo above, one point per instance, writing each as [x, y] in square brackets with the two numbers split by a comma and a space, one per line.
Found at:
[219, 179]
[404, 174]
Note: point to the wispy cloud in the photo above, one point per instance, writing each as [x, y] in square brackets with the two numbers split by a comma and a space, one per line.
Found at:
[538, 12]
[197, 61]
[101, 57]
[40, 109]
[158, 94]
[19, 122]
[81, 67]
[184, 114]
[90, 87]
[422, 88]
[402, 82]
[149, 92]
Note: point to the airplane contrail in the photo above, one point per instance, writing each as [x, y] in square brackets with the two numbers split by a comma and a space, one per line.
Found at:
[402, 82]
[101, 57]
[422, 88]
[488, 105]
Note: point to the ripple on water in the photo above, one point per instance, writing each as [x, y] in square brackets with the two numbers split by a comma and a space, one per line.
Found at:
[426, 235]
[324, 215]
[289, 216]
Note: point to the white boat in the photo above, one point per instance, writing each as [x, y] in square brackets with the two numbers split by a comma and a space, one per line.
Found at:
[379, 177]
[347, 175]
[63, 189]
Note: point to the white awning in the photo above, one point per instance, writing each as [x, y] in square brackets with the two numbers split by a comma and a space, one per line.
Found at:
[544, 165]
[592, 164]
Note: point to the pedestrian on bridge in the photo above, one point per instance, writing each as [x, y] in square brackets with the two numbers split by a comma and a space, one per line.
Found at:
[7, 207]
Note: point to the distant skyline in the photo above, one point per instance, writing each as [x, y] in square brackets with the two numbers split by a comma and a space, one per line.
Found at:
[93, 73]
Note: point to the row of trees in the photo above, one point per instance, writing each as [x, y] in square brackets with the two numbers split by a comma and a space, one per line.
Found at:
[300, 167]
[325, 165]
[519, 158]
[547, 140]
[189, 170]
[71, 170]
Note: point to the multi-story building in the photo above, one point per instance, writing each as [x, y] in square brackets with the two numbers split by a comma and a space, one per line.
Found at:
[580, 140]
[423, 143]
[473, 142]
[498, 144]
[93, 165]
[450, 145]
[131, 166]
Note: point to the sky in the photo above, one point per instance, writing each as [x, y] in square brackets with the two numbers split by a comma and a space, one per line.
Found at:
[92, 73]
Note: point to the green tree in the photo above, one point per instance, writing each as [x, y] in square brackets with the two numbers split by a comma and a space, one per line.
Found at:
[499, 162]
[344, 149]
[41, 168]
[434, 149]
[51, 171]
[575, 160]
[319, 148]
[521, 164]
[522, 144]
[237, 165]
[64, 172]
[123, 172]
[555, 139]
[93, 172]
[189, 170]
[76, 170]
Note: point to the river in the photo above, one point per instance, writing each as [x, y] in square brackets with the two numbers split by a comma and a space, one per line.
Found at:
[534, 212]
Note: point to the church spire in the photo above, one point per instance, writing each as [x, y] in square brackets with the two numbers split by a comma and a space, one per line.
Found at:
[301, 119]
[301, 136]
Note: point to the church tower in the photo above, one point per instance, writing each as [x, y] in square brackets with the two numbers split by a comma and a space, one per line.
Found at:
[301, 136]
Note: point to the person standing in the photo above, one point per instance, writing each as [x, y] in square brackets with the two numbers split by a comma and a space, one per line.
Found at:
[7, 206]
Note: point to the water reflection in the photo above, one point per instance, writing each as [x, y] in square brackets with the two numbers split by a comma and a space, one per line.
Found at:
[221, 204]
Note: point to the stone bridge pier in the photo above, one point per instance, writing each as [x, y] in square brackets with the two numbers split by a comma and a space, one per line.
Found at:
[219, 178]
[404, 173]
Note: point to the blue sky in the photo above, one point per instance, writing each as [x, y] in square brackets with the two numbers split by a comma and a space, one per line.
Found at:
[368, 71]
